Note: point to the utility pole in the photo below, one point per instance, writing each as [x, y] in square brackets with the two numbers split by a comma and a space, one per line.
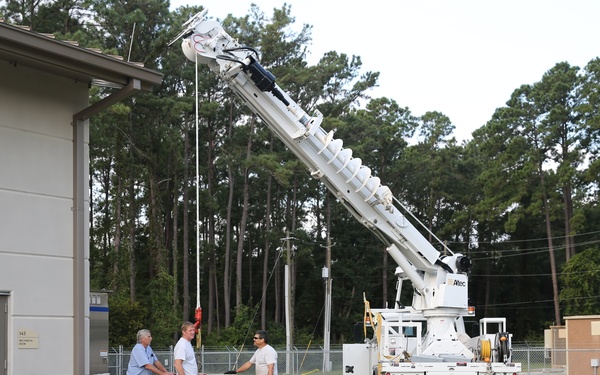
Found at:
[289, 299]
[326, 274]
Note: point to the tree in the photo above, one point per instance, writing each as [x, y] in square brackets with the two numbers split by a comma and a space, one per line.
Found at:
[153, 153]
[581, 283]
[63, 17]
[519, 147]
[557, 94]
[432, 165]
[379, 135]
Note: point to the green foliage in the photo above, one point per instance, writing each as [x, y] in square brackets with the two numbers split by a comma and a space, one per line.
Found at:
[581, 283]
[155, 312]
[125, 319]
[62, 18]
[241, 331]
[165, 321]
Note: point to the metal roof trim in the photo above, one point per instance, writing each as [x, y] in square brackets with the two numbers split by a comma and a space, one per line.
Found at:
[18, 45]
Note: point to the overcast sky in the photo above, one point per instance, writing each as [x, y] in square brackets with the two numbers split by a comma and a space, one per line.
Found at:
[463, 58]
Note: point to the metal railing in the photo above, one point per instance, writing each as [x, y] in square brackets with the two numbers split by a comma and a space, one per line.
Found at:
[534, 360]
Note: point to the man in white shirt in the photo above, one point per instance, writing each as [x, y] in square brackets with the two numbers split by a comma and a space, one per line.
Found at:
[265, 357]
[184, 356]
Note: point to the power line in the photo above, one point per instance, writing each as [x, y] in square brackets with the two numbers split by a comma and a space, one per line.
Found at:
[524, 252]
[556, 247]
[535, 275]
[527, 240]
[537, 302]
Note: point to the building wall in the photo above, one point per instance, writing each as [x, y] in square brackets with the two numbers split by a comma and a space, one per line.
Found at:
[555, 342]
[583, 333]
[36, 217]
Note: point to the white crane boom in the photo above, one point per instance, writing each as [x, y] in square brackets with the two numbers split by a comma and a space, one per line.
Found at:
[440, 282]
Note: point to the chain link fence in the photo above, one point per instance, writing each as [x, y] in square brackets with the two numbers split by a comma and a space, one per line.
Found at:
[540, 360]
[534, 360]
[218, 360]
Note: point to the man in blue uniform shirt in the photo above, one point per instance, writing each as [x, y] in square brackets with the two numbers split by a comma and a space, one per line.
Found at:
[143, 361]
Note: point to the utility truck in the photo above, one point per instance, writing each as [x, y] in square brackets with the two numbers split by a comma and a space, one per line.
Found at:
[426, 338]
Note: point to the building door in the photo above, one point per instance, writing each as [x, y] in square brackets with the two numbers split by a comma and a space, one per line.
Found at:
[3, 334]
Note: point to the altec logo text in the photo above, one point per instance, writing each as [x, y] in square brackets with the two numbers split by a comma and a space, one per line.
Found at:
[453, 282]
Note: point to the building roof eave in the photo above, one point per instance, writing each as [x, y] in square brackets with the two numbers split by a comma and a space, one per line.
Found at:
[20, 46]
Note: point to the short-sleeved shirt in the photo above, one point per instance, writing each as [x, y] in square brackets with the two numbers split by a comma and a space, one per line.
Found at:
[264, 357]
[184, 351]
[140, 357]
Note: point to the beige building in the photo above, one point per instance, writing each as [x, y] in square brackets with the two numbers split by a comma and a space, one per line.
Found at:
[44, 199]
[583, 343]
[575, 347]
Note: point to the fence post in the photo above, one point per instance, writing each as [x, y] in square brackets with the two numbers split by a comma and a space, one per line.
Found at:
[529, 360]
[120, 368]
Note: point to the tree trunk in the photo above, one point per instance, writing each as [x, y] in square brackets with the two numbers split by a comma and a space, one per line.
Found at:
[175, 247]
[244, 219]
[292, 265]
[265, 268]
[186, 225]
[227, 265]
[250, 279]
[263, 311]
[217, 298]
[155, 243]
[117, 239]
[569, 238]
[106, 221]
[550, 248]
[132, 222]
[212, 256]
[277, 312]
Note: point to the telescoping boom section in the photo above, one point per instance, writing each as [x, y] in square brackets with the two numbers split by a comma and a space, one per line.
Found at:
[428, 337]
